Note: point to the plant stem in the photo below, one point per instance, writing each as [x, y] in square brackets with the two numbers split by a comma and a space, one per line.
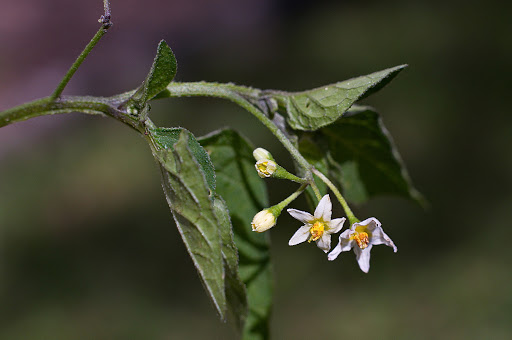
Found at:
[105, 24]
[350, 215]
[239, 95]
[106, 8]
[275, 130]
[281, 205]
[66, 104]
[77, 63]
[315, 190]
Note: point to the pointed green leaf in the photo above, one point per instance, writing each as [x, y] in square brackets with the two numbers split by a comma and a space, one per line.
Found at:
[364, 158]
[162, 72]
[245, 195]
[235, 291]
[310, 110]
[195, 214]
[167, 137]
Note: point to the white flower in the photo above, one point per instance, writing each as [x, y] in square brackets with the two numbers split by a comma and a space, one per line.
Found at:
[261, 153]
[265, 167]
[362, 237]
[318, 227]
[263, 221]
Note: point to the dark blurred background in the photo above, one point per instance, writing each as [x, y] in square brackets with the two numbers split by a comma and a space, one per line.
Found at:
[86, 254]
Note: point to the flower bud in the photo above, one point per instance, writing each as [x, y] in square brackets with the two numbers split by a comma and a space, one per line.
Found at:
[265, 167]
[261, 153]
[263, 221]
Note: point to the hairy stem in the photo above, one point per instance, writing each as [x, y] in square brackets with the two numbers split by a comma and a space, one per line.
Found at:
[281, 205]
[105, 25]
[106, 8]
[68, 104]
[315, 190]
[350, 215]
[240, 96]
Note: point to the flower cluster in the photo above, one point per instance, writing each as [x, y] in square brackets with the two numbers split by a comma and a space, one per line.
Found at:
[319, 227]
[361, 237]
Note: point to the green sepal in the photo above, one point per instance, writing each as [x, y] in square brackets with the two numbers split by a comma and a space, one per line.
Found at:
[282, 173]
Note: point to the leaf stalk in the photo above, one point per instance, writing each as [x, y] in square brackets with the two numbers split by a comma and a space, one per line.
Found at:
[350, 215]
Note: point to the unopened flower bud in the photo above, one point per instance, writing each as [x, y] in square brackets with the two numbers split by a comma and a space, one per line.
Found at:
[263, 221]
[261, 153]
[265, 167]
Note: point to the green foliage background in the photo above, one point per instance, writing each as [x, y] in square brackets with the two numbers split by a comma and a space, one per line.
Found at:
[88, 247]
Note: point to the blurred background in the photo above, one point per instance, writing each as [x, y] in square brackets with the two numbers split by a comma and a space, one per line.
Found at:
[86, 254]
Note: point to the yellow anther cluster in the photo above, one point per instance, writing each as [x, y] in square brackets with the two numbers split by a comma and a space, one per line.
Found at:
[263, 168]
[317, 230]
[361, 239]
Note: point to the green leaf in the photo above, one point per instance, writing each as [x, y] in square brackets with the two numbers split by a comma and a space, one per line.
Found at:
[162, 72]
[196, 215]
[235, 291]
[310, 110]
[167, 137]
[245, 195]
[364, 158]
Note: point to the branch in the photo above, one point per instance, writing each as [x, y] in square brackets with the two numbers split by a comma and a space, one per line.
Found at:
[105, 25]
[240, 95]
[67, 104]
[105, 18]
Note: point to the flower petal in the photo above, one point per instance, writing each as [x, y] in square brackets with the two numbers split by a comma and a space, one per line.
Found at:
[380, 237]
[363, 257]
[344, 244]
[336, 225]
[300, 236]
[300, 215]
[335, 252]
[324, 242]
[370, 223]
[324, 209]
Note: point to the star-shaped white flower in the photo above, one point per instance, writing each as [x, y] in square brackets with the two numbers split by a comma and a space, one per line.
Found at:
[362, 237]
[317, 227]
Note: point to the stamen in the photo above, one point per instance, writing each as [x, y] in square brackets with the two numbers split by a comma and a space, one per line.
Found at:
[317, 230]
[262, 167]
[265, 167]
[362, 240]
